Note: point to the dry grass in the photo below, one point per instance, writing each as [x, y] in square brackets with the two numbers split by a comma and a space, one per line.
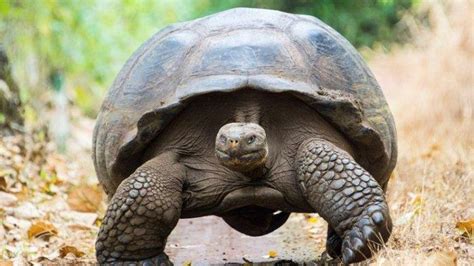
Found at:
[430, 88]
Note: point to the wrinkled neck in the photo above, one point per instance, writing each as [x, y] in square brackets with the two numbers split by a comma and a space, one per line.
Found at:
[248, 111]
[257, 173]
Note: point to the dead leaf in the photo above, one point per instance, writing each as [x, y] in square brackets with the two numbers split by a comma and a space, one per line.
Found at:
[3, 183]
[272, 254]
[64, 250]
[442, 258]
[85, 198]
[187, 263]
[42, 229]
[6, 263]
[466, 227]
[313, 220]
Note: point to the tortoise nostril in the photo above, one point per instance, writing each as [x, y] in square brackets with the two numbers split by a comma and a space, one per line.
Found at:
[233, 143]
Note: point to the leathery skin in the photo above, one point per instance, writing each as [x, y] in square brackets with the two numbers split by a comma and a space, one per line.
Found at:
[347, 197]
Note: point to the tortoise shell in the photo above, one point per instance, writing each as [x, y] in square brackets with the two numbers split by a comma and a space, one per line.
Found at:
[243, 48]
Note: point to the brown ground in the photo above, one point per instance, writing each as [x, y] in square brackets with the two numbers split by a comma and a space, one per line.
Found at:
[47, 216]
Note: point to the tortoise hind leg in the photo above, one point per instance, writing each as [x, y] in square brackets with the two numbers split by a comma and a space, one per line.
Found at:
[254, 220]
[141, 214]
[346, 196]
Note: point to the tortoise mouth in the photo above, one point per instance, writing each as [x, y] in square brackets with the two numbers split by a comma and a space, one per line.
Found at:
[242, 162]
[230, 155]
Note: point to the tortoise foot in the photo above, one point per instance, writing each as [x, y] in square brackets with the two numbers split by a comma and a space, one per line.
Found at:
[333, 244]
[366, 237]
[347, 197]
[141, 215]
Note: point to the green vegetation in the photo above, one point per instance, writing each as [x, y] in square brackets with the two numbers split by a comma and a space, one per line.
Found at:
[88, 41]
[362, 22]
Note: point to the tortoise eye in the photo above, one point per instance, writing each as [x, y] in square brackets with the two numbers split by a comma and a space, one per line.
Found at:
[251, 139]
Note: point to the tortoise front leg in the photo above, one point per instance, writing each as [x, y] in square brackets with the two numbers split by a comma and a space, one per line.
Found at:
[346, 196]
[333, 243]
[142, 213]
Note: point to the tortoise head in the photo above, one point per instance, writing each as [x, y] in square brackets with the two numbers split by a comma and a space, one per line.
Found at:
[241, 147]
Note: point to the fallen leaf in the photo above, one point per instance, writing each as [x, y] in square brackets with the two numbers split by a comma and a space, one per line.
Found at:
[64, 250]
[466, 227]
[187, 263]
[85, 198]
[442, 258]
[313, 220]
[43, 260]
[22, 192]
[6, 263]
[46, 258]
[42, 229]
[3, 183]
[272, 254]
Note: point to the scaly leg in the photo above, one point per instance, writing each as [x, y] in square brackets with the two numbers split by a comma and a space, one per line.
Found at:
[346, 196]
[142, 213]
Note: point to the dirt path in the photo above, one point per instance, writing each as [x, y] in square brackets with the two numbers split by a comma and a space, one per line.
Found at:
[209, 240]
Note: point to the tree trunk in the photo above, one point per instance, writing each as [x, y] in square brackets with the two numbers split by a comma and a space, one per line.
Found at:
[10, 104]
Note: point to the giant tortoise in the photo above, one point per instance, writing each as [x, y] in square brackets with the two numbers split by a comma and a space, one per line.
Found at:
[249, 115]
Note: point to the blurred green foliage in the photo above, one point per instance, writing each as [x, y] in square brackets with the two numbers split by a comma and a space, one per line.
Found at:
[362, 22]
[89, 40]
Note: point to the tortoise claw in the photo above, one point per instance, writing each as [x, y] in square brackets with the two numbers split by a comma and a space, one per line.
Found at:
[366, 237]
